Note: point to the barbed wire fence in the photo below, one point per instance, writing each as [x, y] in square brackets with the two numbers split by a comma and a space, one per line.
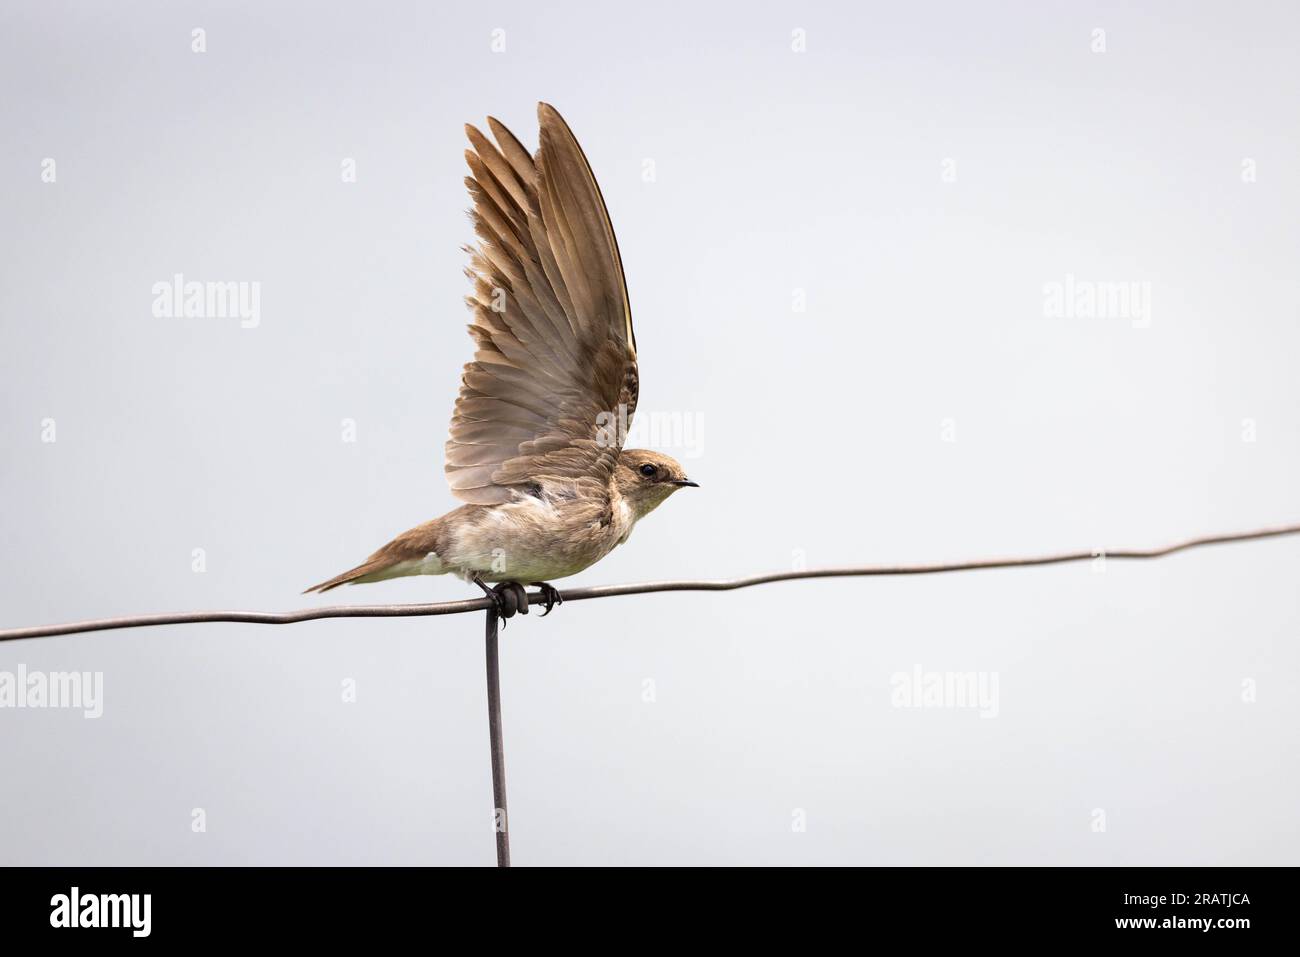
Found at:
[500, 815]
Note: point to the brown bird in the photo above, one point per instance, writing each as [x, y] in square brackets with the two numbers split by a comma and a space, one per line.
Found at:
[536, 445]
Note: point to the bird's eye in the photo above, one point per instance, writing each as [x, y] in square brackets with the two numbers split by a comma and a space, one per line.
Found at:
[648, 470]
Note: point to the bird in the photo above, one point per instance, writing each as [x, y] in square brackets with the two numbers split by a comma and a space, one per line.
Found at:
[535, 449]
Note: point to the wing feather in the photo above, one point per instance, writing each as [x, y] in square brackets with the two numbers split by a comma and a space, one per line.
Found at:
[552, 325]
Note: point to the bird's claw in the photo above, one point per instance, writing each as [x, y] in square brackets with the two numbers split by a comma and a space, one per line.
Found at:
[550, 595]
[514, 599]
[509, 599]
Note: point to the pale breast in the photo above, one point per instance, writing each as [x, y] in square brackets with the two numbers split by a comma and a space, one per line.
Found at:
[536, 539]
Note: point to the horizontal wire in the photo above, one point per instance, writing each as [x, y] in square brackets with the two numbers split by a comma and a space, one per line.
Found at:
[610, 591]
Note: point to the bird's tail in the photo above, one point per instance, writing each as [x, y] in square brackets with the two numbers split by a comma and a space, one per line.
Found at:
[362, 573]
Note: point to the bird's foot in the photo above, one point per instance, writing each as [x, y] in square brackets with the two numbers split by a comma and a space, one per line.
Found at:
[510, 598]
[551, 595]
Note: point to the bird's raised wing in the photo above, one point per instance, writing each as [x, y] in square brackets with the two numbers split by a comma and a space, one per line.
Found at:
[555, 366]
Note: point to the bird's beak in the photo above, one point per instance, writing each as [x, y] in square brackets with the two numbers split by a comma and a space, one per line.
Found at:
[682, 482]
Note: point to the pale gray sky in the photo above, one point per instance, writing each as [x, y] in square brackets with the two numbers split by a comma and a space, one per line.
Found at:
[842, 264]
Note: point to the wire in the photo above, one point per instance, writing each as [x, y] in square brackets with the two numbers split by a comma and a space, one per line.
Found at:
[610, 591]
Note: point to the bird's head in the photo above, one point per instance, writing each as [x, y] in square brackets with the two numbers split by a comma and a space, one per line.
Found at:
[645, 479]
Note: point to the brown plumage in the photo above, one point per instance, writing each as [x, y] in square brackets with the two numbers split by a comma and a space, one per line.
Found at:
[551, 320]
[535, 446]
[416, 542]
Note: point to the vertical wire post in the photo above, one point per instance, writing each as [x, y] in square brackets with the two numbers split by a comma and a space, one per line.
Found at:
[500, 818]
